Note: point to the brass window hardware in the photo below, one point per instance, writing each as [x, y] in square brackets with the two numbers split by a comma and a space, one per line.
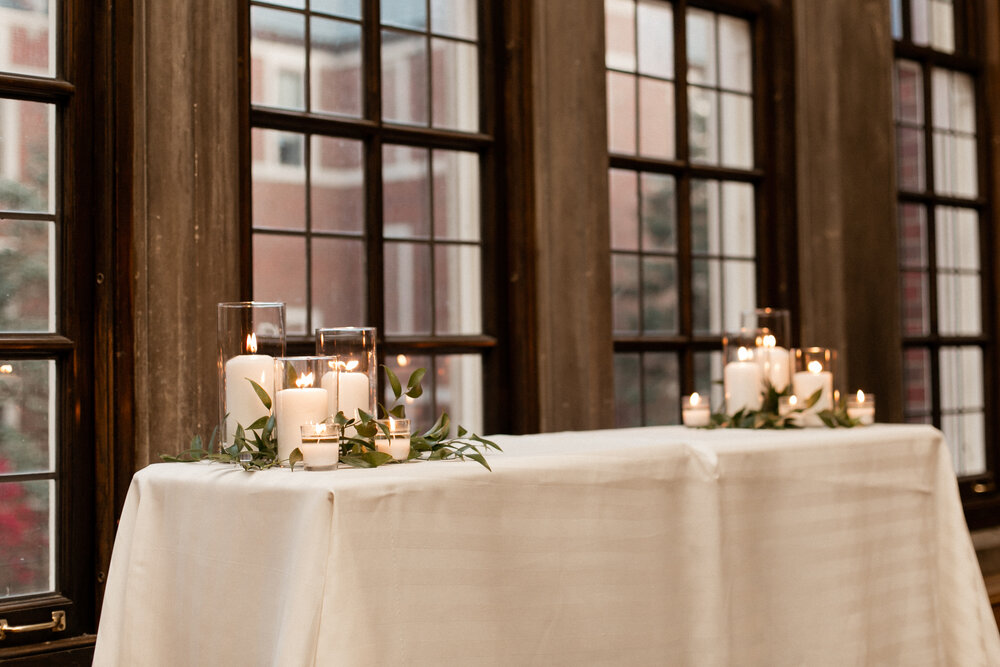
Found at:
[57, 624]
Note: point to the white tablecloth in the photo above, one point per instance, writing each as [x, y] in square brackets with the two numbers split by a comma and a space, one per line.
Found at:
[656, 546]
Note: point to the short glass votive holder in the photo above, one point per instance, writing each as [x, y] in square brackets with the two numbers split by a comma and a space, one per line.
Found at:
[320, 445]
[299, 399]
[813, 370]
[393, 438]
[695, 411]
[251, 334]
[861, 406]
[358, 365]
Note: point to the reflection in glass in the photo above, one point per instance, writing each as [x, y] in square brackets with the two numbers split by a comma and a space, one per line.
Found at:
[27, 416]
[277, 58]
[339, 282]
[625, 292]
[621, 113]
[458, 289]
[659, 217]
[27, 276]
[456, 195]
[459, 390]
[703, 109]
[656, 119]
[27, 156]
[336, 185]
[278, 177]
[408, 288]
[406, 192]
[456, 85]
[335, 67]
[27, 525]
[659, 297]
[279, 274]
[655, 22]
[627, 390]
[624, 213]
[404, 77]
[661, 392]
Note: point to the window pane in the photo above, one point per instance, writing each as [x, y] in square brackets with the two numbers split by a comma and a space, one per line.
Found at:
[707, 373]
[961, 378]
[621, 113]
[656, 38]
[941, 98]
[912, 235]
[405, 13]
[942, 25]
[459, 390]
[957, 238]
[739, 289]
[339, 282]
[277, 58]
[619, 34]
[706, 296]
[916, 382]
[27, 276]
[624, 209]
[897, 19]
[420, 411]
[335, 67]
[628, 399]
[662, 392]
[456, 85]
[404, 77]
[456, 18]
[965, 436]
[279, 179]
[959, 305]
[406, 192]
[625, 292]
[701, 47]
[458, 289]
[659, 298]
[27, 156]
[27, 416]
[279, 274]
[915, 303]
[737, 131]
[456, 195]
[705, 224]
[909, 96]
[408, 288]
[27, 538]
[703, 129]
[910, 158]
[918, 22]
[659, 221]
[963, 103]
[337, 185]
[738, 225]
[656, 119]
[347, 8]
[29, 43]
[735, 54]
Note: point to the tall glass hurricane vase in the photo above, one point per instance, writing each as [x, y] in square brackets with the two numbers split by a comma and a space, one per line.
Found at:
[251, 335]
[355, 348]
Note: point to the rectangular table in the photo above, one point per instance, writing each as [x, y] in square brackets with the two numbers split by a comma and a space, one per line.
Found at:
[629, 547]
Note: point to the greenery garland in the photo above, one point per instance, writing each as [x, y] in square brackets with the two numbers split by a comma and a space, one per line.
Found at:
[255, 447]
[768, 416]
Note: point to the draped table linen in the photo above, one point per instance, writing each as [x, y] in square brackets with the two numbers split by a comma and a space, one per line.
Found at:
[648, 546]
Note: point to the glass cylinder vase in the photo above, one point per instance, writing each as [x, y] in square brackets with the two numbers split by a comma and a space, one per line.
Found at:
[813, 371]
[305, 392]
[355, 349]
[742, 375]
[772, 339]
[251, 334]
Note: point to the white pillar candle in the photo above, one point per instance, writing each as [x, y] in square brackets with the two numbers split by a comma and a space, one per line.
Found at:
[694, 411]
[353, 393]
[808, 382]
[242, 402]
[774, 363]
[330, 382]
[862, 408]
[292, 409]
[742, 382]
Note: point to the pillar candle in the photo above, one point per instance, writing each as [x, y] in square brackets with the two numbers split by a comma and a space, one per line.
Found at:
[806, 383]
[242, 403]
[742, 381]
[353, 393]
[292, 409]
[774, 363]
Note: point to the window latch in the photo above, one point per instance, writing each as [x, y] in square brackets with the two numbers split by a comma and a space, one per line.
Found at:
[57, 624]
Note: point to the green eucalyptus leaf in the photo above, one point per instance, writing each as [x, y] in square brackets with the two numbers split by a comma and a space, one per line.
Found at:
[339, 418]
[290, 375]
[399, 411]
[481, 460]
[416, 377]
[294, 457]
[397, 389]
[811, 401]
[365, 417]
[263, 395]
[461, 431]
[258, 424]
[416, 392]
[367, 430]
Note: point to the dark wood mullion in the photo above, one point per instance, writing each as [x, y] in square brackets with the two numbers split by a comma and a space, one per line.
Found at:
[956, 61]
[245, 157]
[26, 216]
[683, 183]
[307, 156]
[906, 22]
[35, 89]
[375, 251]
[677, 167]
[928, 198]
[428, 45]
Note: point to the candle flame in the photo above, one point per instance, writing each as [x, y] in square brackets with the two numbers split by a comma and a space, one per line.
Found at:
[402, 360]
[861, 396]
[6, 369]
[793, 400]
[319, 429]
[815, 366]
[743, 354]
[351, 365]
[252, 343]
[305, 380]
[770, 341]
[695, 399]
